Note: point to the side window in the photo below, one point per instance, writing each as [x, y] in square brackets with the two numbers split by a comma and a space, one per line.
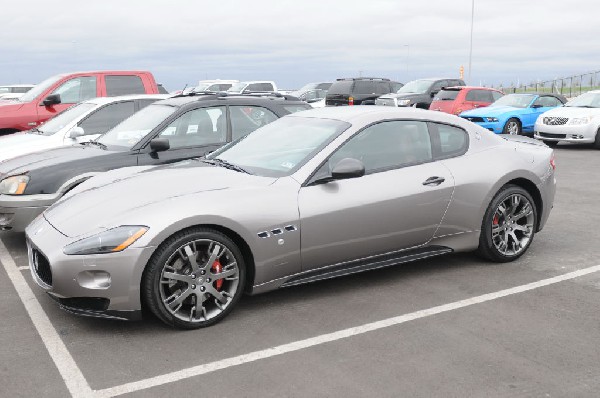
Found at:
[437, 86]
[480, 96]
[107, 117]
[260, 87]
[496, 95]
[245, 119]
[197, 127]
[453, 140]
[386, 145]
[383, 88]
[396, 86]
[77, 89]
[548, 101]
[123, 85]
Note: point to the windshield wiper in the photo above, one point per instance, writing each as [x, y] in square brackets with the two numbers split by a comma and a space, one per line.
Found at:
[226, 164]
[96, 143]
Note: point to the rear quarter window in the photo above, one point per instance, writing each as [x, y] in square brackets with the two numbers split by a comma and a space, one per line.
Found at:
[123, 85]
[453, 141]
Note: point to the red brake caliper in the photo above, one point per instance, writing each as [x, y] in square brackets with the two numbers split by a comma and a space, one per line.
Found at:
[496, 219]
[217, 268]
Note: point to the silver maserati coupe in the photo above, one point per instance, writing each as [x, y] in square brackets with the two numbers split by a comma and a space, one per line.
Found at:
[315, 195]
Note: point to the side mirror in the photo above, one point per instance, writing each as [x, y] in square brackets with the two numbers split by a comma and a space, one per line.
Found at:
[75, 132]
[160, 145]
[52, 99]
[348, 168]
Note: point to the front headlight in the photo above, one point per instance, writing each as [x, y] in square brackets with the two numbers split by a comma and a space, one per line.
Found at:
[14, 185]
[111, 241]
[492, 119]
[403, 102]
[580, 120]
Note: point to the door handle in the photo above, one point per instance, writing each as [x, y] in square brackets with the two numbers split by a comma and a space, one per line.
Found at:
[433, 181]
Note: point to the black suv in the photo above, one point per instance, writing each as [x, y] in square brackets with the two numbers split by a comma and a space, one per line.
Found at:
[359, 90]
[418, 93]
[178, 128]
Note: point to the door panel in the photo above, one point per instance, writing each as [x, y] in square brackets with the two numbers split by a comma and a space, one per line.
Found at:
[374, 214]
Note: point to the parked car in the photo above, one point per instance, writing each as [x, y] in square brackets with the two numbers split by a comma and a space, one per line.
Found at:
[215, 86]
[514, 113]
[418, 93]
[82, 122]
[313, 93]
[458, 99]
[14, 91]
[287, 205]
[253, 87]
[59, 92]
[359, 90]
[164, 132]
[578, 121]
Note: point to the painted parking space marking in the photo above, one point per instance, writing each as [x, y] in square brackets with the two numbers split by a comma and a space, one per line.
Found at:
[330, 337]
[68, 369]
[23, 268]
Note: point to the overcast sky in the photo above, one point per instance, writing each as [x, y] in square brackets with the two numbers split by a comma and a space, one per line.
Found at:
[297, 41]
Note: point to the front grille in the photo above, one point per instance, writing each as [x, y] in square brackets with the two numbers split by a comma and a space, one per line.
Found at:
[548, 135]
[474, 119]
[41, 267]
[385, 101]
[555, 121]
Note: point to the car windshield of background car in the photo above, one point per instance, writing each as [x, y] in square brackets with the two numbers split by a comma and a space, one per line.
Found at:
[237, 87]
[132, 130]
[59, 121]
[587, 100]
[40, 88]
[415, 87]
[280, 148]
[515, 100]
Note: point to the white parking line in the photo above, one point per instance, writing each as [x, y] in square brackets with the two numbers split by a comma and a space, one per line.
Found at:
[326, 338]
[23, 268]
[70, 372]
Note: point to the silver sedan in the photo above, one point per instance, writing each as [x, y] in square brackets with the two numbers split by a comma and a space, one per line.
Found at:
[315, 195]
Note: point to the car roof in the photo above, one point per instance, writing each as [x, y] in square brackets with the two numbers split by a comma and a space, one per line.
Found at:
[559, 96]
[108, 100]
[182, 100]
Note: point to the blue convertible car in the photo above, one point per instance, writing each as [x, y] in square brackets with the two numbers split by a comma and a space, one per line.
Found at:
[514, 113]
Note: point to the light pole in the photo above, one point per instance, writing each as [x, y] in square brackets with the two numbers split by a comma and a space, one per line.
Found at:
[471, 46]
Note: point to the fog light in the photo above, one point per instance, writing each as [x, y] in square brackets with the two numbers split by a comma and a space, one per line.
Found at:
[94, 279]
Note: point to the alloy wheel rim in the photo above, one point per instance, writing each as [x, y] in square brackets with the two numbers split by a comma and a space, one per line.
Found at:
[513, 128]
[199, 281]
[512, 225]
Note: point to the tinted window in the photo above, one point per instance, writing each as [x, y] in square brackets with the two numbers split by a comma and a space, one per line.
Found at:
[365, 87]
[77, 89]
[453, 140]
[123, 85]
[496, 95]
[480, 96]
[245, 119]
[396, 86]
[437, 86]
[446, 95]
[387, 145]
[547, 101]
[197, 127]
[107, 117]
[20, 89]
[341, 87]
[65, 117]
[260, 87]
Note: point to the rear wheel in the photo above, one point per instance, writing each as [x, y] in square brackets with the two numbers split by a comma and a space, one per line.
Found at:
[194, 279]
[551, 144]
[512, 127]
[508, 225]
[597, 141]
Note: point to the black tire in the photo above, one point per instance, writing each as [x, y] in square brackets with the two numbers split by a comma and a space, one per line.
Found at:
[597, 140]
[488, 244]
[508, 127]
[551, 144]
[172, 252]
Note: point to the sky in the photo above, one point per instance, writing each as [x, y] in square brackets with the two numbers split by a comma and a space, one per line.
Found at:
[301, 41]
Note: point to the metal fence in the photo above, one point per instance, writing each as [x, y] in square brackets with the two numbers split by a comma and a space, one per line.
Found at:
[571, 86]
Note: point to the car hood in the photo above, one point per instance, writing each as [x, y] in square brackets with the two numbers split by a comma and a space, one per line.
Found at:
[572, 111]
[17, 144]
[492, 111]
[108, 202]
[9, 105]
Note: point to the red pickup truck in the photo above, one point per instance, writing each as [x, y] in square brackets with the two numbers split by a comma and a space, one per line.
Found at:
[59, 92]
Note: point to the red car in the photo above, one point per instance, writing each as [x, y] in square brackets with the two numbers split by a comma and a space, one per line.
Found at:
[59, 92]
[463, 98]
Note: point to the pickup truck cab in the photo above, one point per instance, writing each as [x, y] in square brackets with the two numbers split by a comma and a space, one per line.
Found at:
[59, 92]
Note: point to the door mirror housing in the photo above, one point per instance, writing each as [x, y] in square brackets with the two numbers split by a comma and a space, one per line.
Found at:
[160, 145]
[76, 132]
[348, 168]
[52, 99]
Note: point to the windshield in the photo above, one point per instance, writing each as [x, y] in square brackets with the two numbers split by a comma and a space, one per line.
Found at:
[280, 148]
[132, 130]
[587, 100]
[59, 121]
[40, 88]
[515, 100]
[238, 87]
[416, 87]
[446, 95]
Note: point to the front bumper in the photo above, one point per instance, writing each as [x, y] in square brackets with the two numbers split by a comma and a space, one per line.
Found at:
[494, 127]
[17, 211]
[583, 133]
[100, 285]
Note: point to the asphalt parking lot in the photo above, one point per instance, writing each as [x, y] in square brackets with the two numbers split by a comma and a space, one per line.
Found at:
[450, 326]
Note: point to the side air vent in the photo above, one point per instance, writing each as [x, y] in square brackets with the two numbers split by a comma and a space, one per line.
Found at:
[264, 234]
[277, 231]
[290, 228]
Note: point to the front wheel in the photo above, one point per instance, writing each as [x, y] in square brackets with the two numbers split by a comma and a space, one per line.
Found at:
[194, 279]
[512, 127]
[597, 140]
[508, 225]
